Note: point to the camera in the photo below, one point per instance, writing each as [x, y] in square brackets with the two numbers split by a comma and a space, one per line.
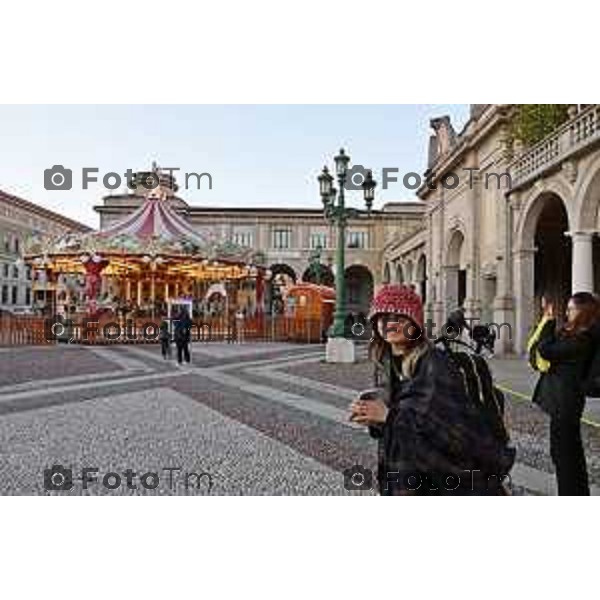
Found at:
[355, 177]
[483, 337]
[58, 178]
[358, 478]
[58, 479]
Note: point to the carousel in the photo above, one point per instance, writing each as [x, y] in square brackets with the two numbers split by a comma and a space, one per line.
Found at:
[143, 266]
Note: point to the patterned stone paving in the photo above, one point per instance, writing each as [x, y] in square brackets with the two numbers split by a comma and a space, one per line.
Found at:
[253, 418]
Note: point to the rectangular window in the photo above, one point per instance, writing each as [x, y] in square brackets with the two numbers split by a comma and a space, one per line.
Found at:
[318, 239]
[15, 272]
[282, 239]
[242, 238]
[15, 291]
[28, 296]
[4, 294]
[6, 267]
[356, 239]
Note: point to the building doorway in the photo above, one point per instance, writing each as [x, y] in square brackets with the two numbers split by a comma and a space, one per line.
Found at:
[553, 256]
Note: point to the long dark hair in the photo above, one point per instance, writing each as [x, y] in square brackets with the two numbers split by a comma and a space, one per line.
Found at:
[589, 313]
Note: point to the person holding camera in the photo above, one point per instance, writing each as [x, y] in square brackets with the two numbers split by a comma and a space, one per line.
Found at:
[427, 429]
[562, 356]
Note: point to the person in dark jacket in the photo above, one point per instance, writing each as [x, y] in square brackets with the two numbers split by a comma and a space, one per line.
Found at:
[560, 390]
[164, 336]
[430, 441]
[183, 326]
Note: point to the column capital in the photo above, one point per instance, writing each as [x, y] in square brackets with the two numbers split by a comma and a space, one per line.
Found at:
[582, 234]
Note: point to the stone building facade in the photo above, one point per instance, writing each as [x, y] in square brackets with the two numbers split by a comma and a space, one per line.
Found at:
[515, 224]
[18, 220]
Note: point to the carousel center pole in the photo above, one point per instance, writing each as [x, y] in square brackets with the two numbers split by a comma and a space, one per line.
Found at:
[152, 294]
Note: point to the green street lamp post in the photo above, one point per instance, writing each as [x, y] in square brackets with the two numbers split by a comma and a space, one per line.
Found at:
[338, 214]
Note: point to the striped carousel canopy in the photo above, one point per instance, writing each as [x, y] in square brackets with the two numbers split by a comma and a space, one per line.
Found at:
[153, 229]
[154, 218]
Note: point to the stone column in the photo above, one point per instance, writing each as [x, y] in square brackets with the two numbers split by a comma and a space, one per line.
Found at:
[504, 305]
[524, 294]
[450, 287]
[473, 297]
[429, 281]
[583, 267]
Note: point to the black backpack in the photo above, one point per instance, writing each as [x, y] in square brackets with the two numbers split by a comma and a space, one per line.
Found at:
[487, 403]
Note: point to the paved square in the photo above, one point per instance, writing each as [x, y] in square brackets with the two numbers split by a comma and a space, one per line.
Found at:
[244, 418]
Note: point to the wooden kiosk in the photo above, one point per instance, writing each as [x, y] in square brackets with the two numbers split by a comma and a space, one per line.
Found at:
[309, 311]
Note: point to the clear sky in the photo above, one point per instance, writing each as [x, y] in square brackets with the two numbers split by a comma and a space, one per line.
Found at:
[257, 155]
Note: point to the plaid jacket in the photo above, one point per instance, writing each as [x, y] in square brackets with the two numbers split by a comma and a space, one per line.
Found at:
[433, 435]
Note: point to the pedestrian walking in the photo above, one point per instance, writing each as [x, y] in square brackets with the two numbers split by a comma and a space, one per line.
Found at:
[420, 411]
[164, 335]
[183, 326]
[562, 355]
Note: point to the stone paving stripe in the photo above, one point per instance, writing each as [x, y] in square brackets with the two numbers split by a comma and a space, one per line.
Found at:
[271, 361]
[61, 381]
[283, 361]
[219, 350]
[91, 385]
[126, 363]
[304, 382]
[321, 409]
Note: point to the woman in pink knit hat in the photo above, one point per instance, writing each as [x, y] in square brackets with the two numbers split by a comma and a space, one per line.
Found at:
[431, 441]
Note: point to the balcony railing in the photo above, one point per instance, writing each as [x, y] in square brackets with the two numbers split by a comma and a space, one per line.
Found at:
[581, 131]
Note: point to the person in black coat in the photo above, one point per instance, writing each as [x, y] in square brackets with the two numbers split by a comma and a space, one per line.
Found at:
[560, 390]
[183, 326]
[430, 440]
